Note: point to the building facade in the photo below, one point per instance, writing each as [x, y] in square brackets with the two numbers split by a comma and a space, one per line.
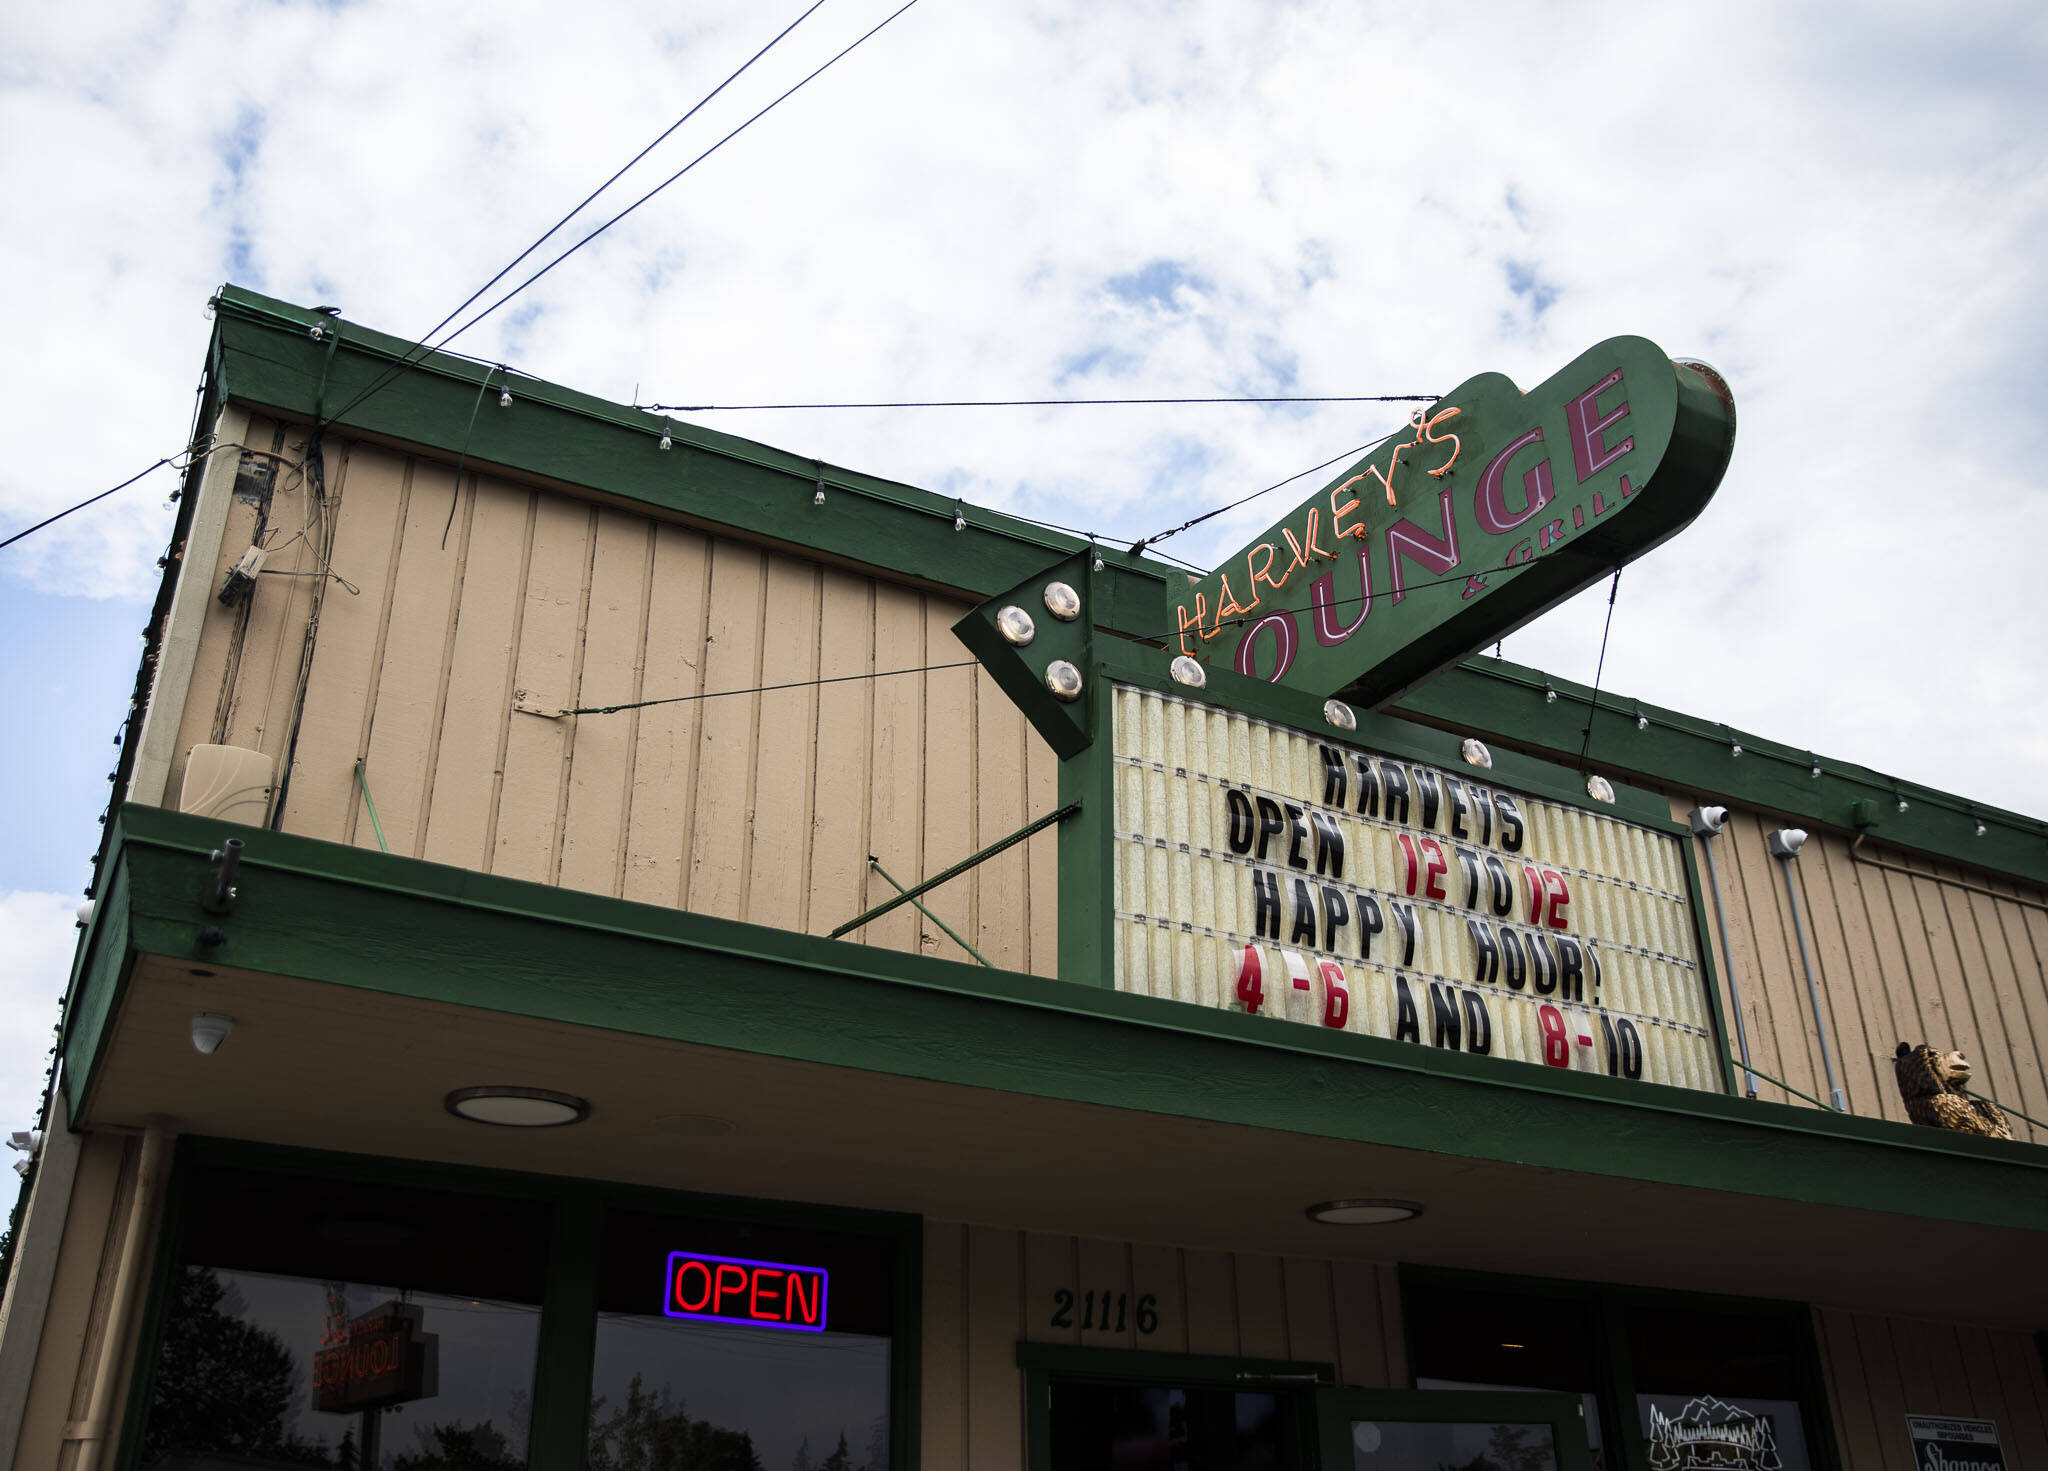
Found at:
[533, 771]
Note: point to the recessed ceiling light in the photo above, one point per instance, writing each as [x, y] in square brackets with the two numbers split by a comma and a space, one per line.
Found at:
[519, 1108]
[1363, 1212]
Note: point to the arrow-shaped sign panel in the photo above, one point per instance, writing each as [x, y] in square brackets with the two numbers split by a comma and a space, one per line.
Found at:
[1493, 506]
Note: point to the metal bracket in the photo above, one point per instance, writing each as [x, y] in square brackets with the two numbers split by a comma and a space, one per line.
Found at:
[910, 896]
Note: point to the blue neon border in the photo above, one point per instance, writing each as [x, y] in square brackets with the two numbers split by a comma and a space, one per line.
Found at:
[669, 1277]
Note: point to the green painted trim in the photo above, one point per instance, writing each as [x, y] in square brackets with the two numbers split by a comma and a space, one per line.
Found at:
[1087, 861]
[1564, 1413]
[350, 916]
[99, 981]
[568, 1330]
[559, 1433]
[262, 354]
[1505, 702]
[1708, 972]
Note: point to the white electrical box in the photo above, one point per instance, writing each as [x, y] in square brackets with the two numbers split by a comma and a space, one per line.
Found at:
[228, 782]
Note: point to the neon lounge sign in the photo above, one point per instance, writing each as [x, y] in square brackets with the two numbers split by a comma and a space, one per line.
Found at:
[727, 1289]
[1439, 542]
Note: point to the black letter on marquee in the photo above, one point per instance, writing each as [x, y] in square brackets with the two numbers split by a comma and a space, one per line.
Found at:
[1514, 964]
[1468, 864]
[1404, 921]
[1368, 786]
[1488, 948]
[1329, 844]
[1478, 1025]
[1431, 793]
[1482, 804]
[1336, 914]
[1454, 790]
[1502, 899]
[1270, 823]
[1265, 904]
[1397, 791]
[1370, 922]
[1240, 820]
[1304, 927]
[1297, 832]
[1406, 1028]
[1510, 822]
[1443, 1017]
[1571, 970]
[1542, 964]
[1333, 777]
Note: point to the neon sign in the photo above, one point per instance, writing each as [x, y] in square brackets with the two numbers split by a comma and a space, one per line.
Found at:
[1346, 595]
[728, 1289]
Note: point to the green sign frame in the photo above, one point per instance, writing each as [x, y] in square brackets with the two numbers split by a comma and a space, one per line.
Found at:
[1491, 508]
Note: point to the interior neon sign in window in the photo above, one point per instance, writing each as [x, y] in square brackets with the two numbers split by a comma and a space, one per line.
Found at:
[728, 1289]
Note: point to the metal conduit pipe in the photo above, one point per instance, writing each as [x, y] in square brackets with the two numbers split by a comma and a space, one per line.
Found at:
[1707, 822]
[93, 1432]
[1784, 845]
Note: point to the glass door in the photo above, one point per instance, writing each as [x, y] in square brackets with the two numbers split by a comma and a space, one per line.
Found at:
[1449, 1430]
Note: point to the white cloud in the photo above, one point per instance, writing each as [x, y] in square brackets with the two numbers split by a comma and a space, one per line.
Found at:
[1841, 213]
[37, 936]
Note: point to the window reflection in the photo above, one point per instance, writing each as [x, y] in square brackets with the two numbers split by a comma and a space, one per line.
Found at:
[1114, 1427]
[1394, 1445]
[687, 1394]
[315, 1322]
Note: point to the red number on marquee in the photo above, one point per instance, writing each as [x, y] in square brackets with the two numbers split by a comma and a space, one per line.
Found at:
[1532, 881]
[1336, 997]
[1408, 866]
[1560, 895]
[1557, 1047]
[1250, 988]
[1438, 866]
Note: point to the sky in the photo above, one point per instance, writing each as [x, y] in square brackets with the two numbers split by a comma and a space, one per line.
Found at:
[1840, 208]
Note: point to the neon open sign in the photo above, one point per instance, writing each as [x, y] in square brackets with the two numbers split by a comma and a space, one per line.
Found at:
[729, 1289]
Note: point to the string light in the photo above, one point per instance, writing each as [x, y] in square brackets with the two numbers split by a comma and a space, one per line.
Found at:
[667, 441]
[1550, 694]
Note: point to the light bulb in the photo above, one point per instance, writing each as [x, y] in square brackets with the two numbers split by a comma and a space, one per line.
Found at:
[1550, 694]
[504, 398]
[1735, 748]
[959, 520]
[666, 441]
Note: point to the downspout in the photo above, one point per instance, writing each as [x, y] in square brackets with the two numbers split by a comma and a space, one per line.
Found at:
[93, 1432]
[1706, 823]
[1785, 844]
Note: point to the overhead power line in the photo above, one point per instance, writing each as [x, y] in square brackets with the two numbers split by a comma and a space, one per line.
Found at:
[29, 531]
[1039, 403]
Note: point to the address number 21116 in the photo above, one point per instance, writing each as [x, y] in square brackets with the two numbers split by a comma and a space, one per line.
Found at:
[1114, 1316]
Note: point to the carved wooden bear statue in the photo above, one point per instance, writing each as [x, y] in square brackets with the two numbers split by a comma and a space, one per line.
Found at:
[1932, 1084]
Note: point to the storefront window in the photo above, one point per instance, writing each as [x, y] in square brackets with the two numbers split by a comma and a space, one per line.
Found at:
[326, 1323]
[732, 1347]
[1398, 1445]
[1479, 1340]
[1717, 1389]
[1114, 1427]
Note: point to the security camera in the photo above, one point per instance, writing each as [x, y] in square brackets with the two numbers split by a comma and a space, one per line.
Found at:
[1707, 821]
[209, 1030]
[1786, 842]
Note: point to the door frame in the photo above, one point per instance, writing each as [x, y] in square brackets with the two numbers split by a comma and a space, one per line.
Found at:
[1565, 1414]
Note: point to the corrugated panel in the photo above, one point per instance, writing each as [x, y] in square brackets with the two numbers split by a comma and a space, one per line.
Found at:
[1881, 1369]
[1897, 958]
[985, 1289]
[1464, 915]
[480, 610]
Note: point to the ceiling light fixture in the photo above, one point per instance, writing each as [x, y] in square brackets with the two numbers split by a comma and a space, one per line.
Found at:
[518, 1108]
[1363, 1212]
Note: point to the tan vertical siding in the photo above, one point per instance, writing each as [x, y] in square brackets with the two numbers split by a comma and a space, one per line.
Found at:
[445, 670]
[1897, 958]
[1879, 1370]
[987, 1289]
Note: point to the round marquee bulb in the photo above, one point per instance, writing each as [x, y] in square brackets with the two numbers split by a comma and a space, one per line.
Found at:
[1062, 602]
[1189, 672]
[1599, 788]
[1015, 625]
[1340, 715]
[1475, 753]
[1363, 1212]
[518, 1108]
[1064, 680]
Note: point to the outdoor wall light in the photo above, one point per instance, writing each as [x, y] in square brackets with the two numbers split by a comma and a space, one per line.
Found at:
[209, 1030]
[1339, 714]
[1364, 1212]
[1015, 625]
[1062, 602]
[1064, 680]
[518, 1108]
[1475, 753]
[1189, 672]
[1599, 788]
